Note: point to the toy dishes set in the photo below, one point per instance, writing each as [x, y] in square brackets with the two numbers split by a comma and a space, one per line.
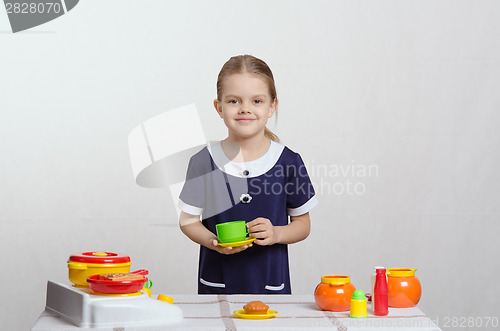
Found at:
[83, 265]
[106, 294]
[396, 288]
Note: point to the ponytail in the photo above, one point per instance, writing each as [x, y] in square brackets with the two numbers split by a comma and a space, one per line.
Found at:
[270, 135]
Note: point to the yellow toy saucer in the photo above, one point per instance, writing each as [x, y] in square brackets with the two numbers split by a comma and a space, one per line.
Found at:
[247, 241]
[241, 314]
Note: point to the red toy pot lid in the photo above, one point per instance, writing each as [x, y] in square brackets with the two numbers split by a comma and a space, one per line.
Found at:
[99, 257]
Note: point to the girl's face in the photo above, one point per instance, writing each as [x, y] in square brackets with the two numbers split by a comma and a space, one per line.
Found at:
[245, 105]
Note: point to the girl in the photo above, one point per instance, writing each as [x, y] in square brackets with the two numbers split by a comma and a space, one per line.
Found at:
[248, 176]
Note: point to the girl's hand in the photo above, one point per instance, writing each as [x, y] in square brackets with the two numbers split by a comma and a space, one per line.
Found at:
[228, 250]
[262, 229]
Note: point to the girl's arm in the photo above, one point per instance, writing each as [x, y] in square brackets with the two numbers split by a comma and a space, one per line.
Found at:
[267, 234]
[192, 227]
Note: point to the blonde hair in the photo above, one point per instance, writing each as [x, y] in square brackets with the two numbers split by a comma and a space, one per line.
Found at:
[250, 64]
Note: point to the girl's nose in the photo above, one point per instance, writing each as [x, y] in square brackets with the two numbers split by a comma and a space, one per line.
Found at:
[245, 107]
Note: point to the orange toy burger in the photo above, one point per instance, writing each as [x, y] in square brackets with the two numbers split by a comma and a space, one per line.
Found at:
[256, 308]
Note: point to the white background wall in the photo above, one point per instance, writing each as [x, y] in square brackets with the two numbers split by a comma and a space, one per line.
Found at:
[409, 87]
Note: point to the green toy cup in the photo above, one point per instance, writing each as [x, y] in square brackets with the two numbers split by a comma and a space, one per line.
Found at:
[231, 232]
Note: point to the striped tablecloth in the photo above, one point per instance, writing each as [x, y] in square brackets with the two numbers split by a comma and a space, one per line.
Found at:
[295, 312]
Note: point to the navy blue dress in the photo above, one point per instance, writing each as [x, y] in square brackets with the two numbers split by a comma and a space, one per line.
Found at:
[274, 186]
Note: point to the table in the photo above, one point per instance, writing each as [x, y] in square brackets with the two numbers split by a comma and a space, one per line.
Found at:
[299, 312]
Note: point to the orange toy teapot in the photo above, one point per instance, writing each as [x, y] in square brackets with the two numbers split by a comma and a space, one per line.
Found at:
[404, 288]
[334, 293]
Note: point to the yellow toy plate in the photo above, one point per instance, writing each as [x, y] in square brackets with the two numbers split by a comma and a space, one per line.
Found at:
[238, 243]
[241, 314]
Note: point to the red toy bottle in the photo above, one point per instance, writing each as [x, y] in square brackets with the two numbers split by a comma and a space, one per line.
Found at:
[381, 294]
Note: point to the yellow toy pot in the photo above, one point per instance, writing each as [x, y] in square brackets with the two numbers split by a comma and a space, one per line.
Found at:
[85, 264]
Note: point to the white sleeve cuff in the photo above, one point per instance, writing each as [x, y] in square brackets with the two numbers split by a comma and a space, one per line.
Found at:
[305, 208]
[189, 209]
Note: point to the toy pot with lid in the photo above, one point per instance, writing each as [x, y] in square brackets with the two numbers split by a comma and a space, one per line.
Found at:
[334, 293]
[85, 264]
[404, 288]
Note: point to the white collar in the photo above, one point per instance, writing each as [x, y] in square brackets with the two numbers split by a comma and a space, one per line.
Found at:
[249, 169]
